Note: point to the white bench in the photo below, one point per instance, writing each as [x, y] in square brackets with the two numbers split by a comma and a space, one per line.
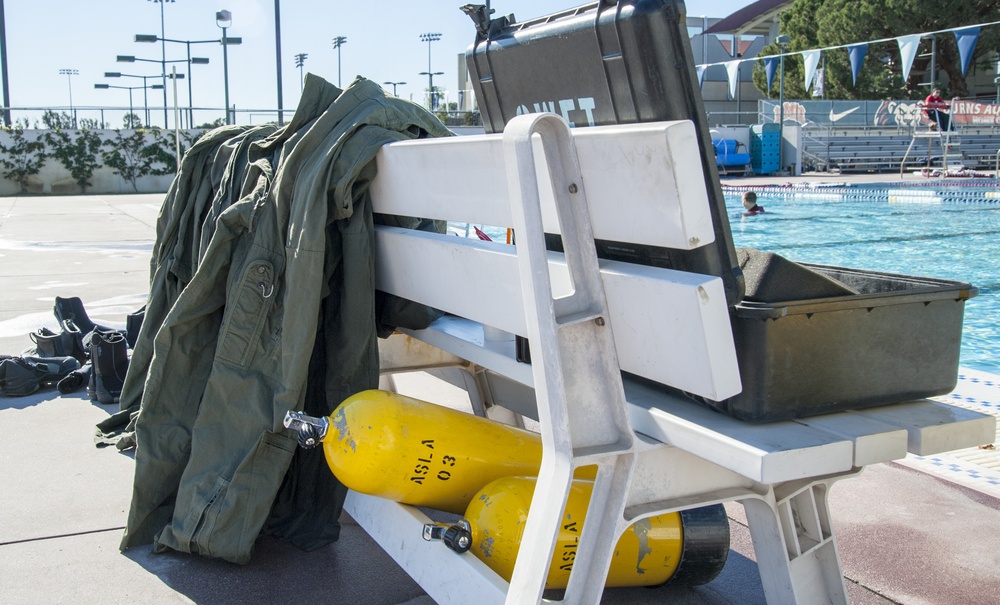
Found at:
[588, 319]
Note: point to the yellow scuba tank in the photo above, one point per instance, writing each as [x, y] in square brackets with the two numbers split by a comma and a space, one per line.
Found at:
[411, 451]
[686, 548]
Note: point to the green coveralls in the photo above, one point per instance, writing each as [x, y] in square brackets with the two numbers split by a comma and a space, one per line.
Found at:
[288, 270]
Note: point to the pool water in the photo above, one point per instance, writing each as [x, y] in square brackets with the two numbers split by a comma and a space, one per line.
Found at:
[948, 232]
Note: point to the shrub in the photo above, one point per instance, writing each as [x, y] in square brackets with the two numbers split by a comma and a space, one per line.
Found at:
[77, 154]
[22, 158]
[125, 156]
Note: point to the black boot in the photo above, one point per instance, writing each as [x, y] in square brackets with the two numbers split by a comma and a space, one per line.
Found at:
[109, 361]
[133, 323]
[68, 342]
[76, 379]
[72, 309]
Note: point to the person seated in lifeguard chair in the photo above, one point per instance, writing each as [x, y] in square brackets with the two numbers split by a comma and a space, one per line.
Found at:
[934, 107]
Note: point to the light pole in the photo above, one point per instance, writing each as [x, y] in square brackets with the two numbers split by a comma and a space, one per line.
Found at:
[277, 61]
[145, 99]
[131, 112]
[3, 68]
[69, 73]
[163, 58]
[116, 74]
[224, 19]
[394, 85]
[432, 93]
[190, 60]
[428, 38]
[783, 43]
[300, 60]
[134, 59]
[337, 43]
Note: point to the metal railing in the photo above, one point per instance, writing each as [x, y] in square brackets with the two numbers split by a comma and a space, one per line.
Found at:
[150, 116]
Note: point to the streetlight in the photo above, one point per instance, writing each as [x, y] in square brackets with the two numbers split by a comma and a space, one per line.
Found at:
[277, 54]
[224, 19]
[337, 43]
[783, 42]
[394, 85]
[131, 112]
[190, 60]
[134, 59]
[69, 73]
[4, 83]
[117, 74]
[163, 58]
[145, 99]
[428, 38]
[432, 93]
[300, 60]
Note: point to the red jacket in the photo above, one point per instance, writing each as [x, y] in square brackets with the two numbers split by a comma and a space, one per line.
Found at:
[935, 102]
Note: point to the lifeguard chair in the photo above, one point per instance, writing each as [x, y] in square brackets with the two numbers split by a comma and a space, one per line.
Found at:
[947, 139]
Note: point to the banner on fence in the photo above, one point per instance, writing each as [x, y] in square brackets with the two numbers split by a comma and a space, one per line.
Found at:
[886, 114]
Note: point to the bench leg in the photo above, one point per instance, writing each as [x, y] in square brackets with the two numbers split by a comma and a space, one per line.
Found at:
[794, 543]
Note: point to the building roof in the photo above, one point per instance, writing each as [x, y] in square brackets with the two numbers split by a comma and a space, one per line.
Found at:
[753, 19]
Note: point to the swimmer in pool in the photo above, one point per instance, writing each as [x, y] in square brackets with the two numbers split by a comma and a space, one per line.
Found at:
[750, 204]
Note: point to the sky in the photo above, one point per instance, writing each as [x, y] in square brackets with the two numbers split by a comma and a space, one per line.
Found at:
[383, 44]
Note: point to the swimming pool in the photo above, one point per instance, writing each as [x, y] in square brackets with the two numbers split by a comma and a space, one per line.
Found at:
[924, 228]
[932, 229]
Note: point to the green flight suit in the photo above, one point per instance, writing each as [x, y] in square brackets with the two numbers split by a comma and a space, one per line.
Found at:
[288, 263]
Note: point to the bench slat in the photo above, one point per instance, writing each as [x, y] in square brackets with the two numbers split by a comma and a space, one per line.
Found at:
[936, 427]
[874, 441]
[644, 183]
[398, 529]
[652, 309]
[767, 453]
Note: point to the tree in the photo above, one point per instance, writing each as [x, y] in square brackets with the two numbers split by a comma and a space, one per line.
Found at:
[131, 121]
[57, 121]
[124, 155]
[22, 158]
[215, 124]
[77, 152]
[814, 24]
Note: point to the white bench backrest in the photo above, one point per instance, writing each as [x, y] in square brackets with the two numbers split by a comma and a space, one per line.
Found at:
[644, 185]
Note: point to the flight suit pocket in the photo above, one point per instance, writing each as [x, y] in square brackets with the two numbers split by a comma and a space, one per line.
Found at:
[246, 312]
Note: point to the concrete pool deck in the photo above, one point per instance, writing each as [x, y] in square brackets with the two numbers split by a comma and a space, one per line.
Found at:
[915, 532]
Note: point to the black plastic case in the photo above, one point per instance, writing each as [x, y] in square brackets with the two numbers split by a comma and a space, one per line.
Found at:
[607, 63]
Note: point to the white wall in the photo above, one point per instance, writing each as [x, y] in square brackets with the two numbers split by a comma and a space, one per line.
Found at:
[55, 178]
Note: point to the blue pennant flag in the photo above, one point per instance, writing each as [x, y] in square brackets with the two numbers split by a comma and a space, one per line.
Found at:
[857, 53]
[966, 39]
[770, 66]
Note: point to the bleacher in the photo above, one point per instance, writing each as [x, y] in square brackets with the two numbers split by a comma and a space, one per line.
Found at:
[883, 149]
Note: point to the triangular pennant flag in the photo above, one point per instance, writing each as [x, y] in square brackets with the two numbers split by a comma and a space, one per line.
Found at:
[701, 74]
[770, 68]
[733, 70]
[907, 51]
[857, 53]
[811, 61]
[966, 39]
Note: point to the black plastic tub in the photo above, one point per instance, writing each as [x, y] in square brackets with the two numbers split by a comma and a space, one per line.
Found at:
[898, 339]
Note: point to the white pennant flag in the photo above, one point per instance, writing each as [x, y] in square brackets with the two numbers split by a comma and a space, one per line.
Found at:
[907, 51]
[811, 60]
[733, 69]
